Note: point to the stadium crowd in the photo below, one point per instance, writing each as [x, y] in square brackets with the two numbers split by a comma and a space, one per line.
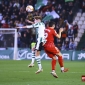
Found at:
[13, 14]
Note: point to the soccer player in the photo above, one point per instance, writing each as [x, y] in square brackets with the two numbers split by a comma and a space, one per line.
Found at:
[51, 50]
[40, 27]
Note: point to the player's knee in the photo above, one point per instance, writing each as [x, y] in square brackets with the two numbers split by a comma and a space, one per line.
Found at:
[59, 54]
[54, 57]
[37, 53]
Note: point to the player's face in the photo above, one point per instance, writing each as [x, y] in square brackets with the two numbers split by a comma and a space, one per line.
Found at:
[36, 21]
[54, 25]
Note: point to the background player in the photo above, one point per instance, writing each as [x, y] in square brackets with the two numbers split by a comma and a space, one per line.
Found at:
[51, 50]
[40, 27]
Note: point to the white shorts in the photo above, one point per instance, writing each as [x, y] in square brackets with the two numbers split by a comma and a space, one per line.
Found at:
[39, 44]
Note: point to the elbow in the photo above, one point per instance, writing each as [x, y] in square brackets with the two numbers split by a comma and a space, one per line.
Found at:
[59, 37]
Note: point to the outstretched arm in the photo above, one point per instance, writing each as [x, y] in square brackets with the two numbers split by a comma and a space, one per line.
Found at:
[60, 31]
[27, 26]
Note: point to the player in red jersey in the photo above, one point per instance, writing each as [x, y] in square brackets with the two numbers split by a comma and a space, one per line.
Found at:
[51, 50]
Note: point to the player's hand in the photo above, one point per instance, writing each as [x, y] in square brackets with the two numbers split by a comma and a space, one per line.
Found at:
[61, 30]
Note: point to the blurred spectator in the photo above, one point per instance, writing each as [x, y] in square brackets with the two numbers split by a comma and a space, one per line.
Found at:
[30, 2]
[63, 47]
[48, 6]
[70, 17]
[3, 21]
[72, 45]
[59, 9]
[61, 21]
[8, 40]
[70, 5]
[64, 14]
[19, 40]
[47, 12]
[66, 45]
[13, 16]
[70, 34]
[1, 16]
[1, 40]
[5, 25]
[75, 29]
[57, 28]
[59, 44]
[16, 4]
[28, 33]
[63, 36]
[83, 6]
[24, 40]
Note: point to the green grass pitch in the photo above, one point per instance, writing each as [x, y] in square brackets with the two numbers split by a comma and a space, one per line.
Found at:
[16, 72]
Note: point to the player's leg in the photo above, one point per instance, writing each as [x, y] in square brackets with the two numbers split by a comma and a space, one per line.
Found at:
[53, 63]
[33, 55]
[55, 51]
[33, 59]
[60, 60]
[38, 57]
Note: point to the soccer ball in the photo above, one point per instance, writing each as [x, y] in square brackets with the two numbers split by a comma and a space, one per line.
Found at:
[29, 8]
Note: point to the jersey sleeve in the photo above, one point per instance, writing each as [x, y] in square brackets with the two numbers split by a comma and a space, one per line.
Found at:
[36, 25]
[29, 26]
[54, 33]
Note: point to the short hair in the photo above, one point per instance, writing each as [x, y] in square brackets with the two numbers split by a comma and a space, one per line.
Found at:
[38, 17]
[51, 23]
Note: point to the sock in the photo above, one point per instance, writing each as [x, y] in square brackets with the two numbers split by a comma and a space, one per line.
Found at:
[33, 57]
[39, 62]
[60, 60]
[62, 68]
[53, 63]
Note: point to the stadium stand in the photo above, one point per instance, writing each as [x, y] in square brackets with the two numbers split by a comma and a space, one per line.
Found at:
[13, 13]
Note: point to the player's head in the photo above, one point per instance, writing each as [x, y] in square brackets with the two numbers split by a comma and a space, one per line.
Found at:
[37, 19]
[52, 24]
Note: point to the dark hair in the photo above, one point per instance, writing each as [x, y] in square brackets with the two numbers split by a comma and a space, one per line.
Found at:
[51, 23]
[38, 17]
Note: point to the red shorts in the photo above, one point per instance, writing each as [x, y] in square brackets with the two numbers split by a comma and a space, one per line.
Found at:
[51, 50]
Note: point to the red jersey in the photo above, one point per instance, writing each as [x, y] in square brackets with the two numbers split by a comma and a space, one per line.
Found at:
[49, 45]
[49, 35]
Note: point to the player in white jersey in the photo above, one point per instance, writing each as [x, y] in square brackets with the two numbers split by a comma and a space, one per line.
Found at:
[40, 27]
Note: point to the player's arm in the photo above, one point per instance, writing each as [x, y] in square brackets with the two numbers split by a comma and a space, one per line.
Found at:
[30, 26]
[60, 31]
[27, 26]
